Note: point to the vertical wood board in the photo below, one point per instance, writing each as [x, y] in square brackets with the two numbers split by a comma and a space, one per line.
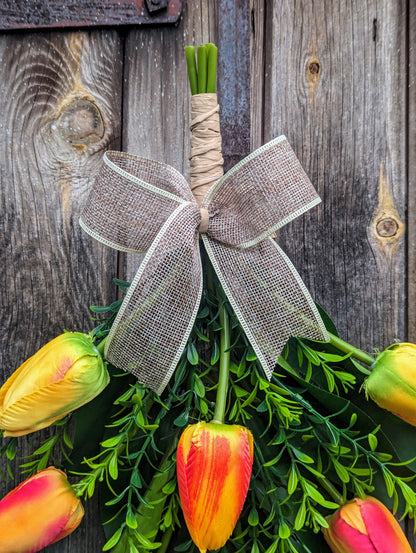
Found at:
[411, 173]
[60, 109]
[342, 105]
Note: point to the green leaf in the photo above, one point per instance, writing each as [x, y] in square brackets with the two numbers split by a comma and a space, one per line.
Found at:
[253, 517]
[302, 456]
[11, 448]
[318, 497]
[262, 407]
[100, 308]
[46, 446]
[300, 516]
[182, 419]
[333, 358]
[293, 480]
[169, 487]
[319, 518]
[113, 441]
[203, 313]
[167, 520]
[388, 481]
[113, 540]
[251, 397]
[67, 439]
[284, 531]
[115, 306]
[372, 442]
[215, 353]
[199, 387]
[273, 547]
[192, 354]
[340, 470]
[274, 460]
[113, 466]
[141, 538]
[239, 392]
[200, 335]
[250, 355]
[122, 284]
[131, 519]
[408, 493]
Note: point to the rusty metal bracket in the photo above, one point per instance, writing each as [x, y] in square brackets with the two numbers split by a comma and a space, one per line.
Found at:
[56, 14]
[156, 5]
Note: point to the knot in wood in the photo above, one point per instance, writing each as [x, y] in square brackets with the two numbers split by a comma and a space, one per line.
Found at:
[314, 67]
[81, 123]
[387, 227]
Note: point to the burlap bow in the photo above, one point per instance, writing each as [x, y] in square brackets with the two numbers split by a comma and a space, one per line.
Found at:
[139, 205]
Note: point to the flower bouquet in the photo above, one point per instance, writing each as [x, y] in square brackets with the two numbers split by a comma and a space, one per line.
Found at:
[214, 406]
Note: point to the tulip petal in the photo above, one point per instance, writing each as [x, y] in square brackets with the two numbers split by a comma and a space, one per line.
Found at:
[343, 538]
[214, 469]
[383, 529]
[49, 364]
[63, 375]
[41, 510]
[52, 402]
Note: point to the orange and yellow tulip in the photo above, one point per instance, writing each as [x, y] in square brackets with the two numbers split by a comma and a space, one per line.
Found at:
[63, 375]
[214, 463]
[392, 382]
[365, 526]
[41, 510]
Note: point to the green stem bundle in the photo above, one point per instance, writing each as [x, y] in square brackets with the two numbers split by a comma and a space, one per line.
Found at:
[202, 78]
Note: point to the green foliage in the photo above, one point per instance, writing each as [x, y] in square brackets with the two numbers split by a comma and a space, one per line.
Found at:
[318, 442]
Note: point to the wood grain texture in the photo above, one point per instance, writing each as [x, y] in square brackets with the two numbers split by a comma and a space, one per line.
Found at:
[257, 72]
[411, 223]
[234, 79]
[60, 109]
[336, 86]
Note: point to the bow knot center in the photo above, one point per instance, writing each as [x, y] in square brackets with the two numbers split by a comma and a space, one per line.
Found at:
[203, 225]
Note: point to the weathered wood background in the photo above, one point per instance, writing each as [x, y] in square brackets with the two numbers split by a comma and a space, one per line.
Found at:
[338, 78]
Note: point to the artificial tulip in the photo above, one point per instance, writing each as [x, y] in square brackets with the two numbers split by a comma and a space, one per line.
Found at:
[214, 464]
[41, 510]
[392, 382]
[365, 526]
[63, 375]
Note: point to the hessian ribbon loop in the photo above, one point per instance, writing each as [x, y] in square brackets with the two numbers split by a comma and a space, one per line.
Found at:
[140, 205]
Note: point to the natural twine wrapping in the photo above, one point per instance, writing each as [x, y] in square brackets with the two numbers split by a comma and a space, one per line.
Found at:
[142, 205]
[206, 158]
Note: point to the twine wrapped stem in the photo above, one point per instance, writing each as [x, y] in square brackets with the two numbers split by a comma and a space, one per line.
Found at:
[206, 161]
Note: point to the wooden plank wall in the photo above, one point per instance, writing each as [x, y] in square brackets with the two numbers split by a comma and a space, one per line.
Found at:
[332, 76]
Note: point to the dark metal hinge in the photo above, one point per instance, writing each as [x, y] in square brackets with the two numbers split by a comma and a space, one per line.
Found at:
[56, 14]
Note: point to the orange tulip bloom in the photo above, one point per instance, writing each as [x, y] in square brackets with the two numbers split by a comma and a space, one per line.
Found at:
[365, 526]
[41, 510]
[63, 375]
[214, 464]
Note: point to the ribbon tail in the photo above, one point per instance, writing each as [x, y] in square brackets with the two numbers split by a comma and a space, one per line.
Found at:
[157, 315]
[267, 295]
